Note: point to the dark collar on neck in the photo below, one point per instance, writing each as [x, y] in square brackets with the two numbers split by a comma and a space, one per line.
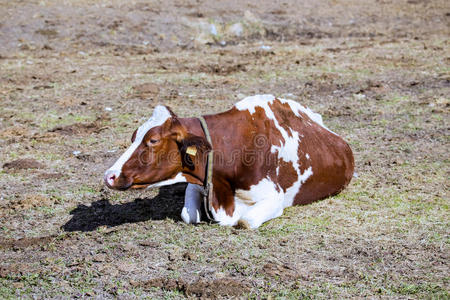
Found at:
[207, 183]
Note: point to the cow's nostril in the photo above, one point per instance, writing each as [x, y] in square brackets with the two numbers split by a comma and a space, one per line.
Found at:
[110, 177]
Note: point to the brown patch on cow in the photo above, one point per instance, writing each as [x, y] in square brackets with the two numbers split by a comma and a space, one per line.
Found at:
[24, 163]
[284, 115]
[332, 164]
[223, 196]
[289, 174]
[244, 197]
[249, 150]
[205, 289]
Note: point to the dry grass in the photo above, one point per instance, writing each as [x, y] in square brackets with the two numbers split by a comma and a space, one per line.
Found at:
[381, 81]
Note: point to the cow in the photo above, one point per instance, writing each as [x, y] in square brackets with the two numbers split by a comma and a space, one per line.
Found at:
[268, 154]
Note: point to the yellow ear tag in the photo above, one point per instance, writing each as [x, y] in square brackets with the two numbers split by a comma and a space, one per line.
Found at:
[191, 150]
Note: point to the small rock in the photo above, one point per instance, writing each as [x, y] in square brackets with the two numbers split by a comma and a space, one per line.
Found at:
[359, 96]
[213, 29]
[236, 29]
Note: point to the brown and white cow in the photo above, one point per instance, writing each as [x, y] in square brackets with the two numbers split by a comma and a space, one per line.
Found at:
[269, 154]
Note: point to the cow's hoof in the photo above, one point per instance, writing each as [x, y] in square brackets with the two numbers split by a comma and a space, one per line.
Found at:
[242, 224]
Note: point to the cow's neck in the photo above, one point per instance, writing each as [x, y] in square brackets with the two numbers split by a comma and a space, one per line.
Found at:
[197, 175]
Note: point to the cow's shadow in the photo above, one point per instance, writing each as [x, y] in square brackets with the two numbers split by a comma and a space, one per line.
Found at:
[167, 204]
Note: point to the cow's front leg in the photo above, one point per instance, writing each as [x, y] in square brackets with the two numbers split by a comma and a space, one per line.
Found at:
[268, 203]
[191, 212]
[263, 211]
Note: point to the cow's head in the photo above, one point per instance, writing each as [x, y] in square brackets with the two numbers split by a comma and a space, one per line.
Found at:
[162, 152]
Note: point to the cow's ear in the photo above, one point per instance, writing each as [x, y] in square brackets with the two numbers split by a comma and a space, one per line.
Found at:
[194, 141]
[193, 146]
[174, 128]
[171, 111]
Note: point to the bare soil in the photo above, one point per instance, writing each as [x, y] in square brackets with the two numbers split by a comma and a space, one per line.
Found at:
[77, 77]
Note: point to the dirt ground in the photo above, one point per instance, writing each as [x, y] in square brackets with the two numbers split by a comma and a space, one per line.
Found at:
[77, 77]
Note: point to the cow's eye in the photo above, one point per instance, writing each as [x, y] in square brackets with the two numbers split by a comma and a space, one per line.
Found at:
[153, 141]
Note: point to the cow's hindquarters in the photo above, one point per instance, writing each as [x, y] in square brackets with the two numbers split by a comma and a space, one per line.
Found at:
[332, 165]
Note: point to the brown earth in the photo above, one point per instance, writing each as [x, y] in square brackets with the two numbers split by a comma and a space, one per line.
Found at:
[24, 163]
[77, 78]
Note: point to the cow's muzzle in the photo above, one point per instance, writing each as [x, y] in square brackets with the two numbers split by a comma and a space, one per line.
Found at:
[115, 180]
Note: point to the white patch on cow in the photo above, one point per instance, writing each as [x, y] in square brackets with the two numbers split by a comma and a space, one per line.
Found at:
[288, 150]
[268, 203]
[296, 107]
[177, 179]
[160, 115]
[250, 103]
[307, 156]
[262, 202]
[193, 199]
[221, 216]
